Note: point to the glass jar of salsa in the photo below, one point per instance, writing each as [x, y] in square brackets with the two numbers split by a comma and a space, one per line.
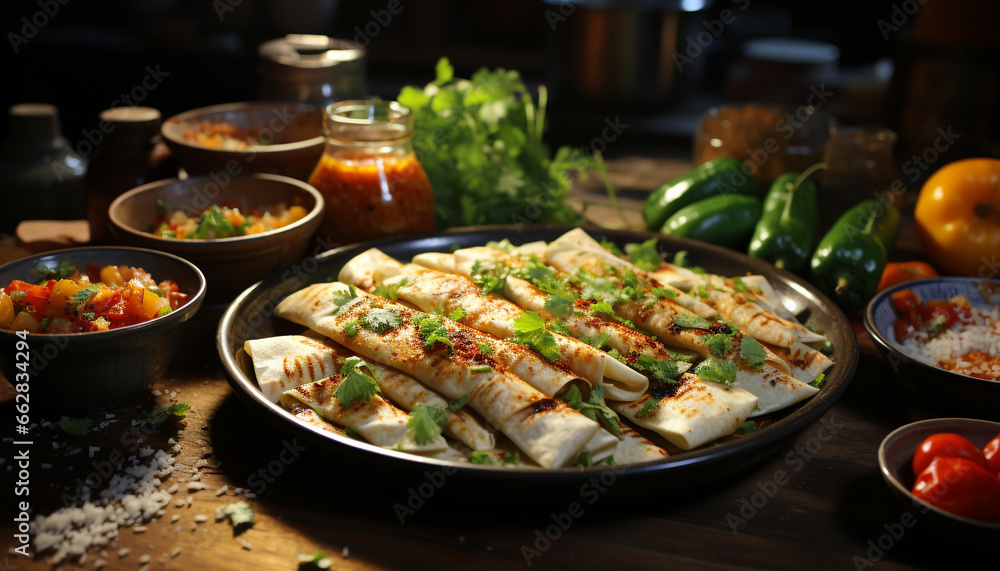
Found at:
[372, 182]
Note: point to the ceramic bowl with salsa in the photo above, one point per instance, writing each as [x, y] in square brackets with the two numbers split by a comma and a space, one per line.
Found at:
[93, 328]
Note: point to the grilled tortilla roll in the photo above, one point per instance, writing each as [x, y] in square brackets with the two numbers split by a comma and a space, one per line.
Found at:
[545, 429]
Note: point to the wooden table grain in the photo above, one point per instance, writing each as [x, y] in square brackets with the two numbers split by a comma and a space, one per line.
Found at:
[817, 503]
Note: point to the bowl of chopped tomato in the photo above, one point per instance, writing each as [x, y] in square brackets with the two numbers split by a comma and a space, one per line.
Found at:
[942, 336]
[93, 328]
[247, 137]
[947, 470]
[237, 231]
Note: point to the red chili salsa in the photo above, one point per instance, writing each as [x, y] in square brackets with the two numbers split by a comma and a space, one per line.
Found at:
[933, 317]
[66, 300]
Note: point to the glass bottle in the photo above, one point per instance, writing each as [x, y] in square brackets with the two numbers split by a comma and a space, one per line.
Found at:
[369, 176]
[861, 166]
[131, 154]
[41, 176]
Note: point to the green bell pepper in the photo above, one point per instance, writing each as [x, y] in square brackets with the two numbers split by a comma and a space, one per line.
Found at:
[851, 257]
[786, 231]
[724, 175]
[726, 220]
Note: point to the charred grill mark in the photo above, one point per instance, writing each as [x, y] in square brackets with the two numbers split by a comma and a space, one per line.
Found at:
[544, 405]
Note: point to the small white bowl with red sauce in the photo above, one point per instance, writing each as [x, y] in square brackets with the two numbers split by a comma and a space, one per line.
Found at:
[949, 390]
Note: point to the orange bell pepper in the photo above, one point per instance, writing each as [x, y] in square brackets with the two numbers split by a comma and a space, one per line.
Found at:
[898, 272]
[958, 218]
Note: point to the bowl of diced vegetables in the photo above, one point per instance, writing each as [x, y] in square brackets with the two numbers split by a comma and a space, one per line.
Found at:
[236, 233]
[247, 137]
[86, 329]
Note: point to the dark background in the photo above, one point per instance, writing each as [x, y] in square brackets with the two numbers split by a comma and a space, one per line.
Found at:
[90, 52]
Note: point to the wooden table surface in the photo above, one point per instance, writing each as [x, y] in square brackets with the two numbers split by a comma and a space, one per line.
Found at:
[819, 502]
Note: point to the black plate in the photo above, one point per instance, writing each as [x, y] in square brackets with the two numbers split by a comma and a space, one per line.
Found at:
[251, 317]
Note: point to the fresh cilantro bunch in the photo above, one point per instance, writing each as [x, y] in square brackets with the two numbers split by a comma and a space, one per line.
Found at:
[480, 142]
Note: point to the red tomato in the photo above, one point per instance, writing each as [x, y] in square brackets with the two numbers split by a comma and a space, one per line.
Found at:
[992, 453]
[906, 302]
[946, 445]
[961, 487]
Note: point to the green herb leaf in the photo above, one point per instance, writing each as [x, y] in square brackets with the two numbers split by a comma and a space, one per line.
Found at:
[531, 332]
[746, 428]
[426, 423]
[752, 352]
[691, 321]
[351, 328]
[161, 415]
[76, 426]
[240, 514]
[716, 370]
[720, 343]
[512, 458]
[593, 408]
[480, 457]
[663, 371]
[485, 348]
[597, 341]
[44, 273]
[458, 403]
[389, 290]
[818, 381]
[355, 384]
[740, 287]
[380, 320]
[584, 460]
[646, 256]
[490, 277]
[81, 297]
[458, 314]
[648, 407]
[433, 331]
[612, 247]
[213, 224]
[344, 299]
[481, 368]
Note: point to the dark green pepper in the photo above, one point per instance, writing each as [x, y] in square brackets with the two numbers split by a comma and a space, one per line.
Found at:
[724, 175]
[851, 257]
[786, 231]
[725, 220]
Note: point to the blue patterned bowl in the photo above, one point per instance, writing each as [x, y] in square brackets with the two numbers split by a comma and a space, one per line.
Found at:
[951, 391]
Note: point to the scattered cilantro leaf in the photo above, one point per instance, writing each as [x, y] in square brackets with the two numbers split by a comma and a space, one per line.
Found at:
[485, 348]
[648, 407]
[81, 297]
[76, 426]
[719, 343]
[717, 370]
[818, 381]
[389, 290]
[380, 320]
[645, 256]
[351, 328]
[490, 277]
[512, 458]
[752, 352]
[458, 314]
[344, 299]
[458, 403]
[161, 415]
[426, 423]
[481, 368]
[663, 292]
[612, 247]
[663, 371]
[480, 457]
[610, 460]
[530, 331]
[739, 286]
[213, 224]
[597, 341]
[746, 428]
[433, 331]
[691, 321]
[355, 385]
[584, 460]
[593, 408]
[44, 273]
[240, 514]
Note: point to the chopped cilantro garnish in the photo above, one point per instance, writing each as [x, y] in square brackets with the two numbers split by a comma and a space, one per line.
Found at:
[610, 460]
[717, 370]
[818, 381]
[481, 368]
[485, 348]
[612, 247]
[380, 320]
[344, 299]
[490, 277]
[161, 415]
[614, 354]
[89, 315]
[664, 292]
[355, 385]
[512, 458]
[213, 224]
[162, 207]
[458, 403]
[739, 286]
[752, 352]
[584, 460]
[76, 426]
[351, 328]
[597, 341]
[46, 321]
[936, 325]
[701, 292]
[81, 297]
[531, 332]
[240, 514]
[458, 314]
[389, 290]
[433, 331]
[691, 321]
[648, 407]
[663, 371]
[720, 343]
[45, 273]
[746, 428]
[480, 457]
[593, 408]
[426, 423]
[645, 256]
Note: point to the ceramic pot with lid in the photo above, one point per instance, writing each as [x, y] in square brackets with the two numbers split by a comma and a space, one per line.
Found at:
[312, 69]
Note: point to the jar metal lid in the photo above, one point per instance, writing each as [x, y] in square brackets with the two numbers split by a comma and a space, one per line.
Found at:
[310, 52]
